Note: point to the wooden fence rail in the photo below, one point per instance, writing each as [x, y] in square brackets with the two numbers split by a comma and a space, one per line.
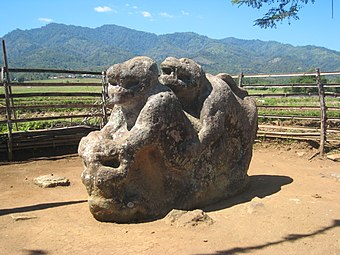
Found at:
[294, 117]
[54, 84]
[306, 85]
[54, 106]
[37, 70]
[328, 94]
[52, 94]
[283, 75]
[73, 116]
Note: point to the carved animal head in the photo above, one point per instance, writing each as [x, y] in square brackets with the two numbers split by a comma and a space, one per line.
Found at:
[183, 76]
[129, 79]
[187, 80]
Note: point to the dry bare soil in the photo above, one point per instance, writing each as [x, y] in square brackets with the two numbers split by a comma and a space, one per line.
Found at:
[291, 207]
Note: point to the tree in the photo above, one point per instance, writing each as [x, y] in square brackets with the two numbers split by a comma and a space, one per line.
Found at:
[305, 80]
[279, 10]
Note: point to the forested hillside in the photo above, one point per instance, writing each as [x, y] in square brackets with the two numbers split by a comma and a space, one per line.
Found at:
[73, 47]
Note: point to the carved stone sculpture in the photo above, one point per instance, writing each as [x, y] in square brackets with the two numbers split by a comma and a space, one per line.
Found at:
[181, 141]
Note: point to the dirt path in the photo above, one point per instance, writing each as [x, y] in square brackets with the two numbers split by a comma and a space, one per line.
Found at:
[291, 207]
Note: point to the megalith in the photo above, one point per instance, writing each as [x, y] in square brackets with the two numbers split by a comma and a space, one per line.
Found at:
[181, 140]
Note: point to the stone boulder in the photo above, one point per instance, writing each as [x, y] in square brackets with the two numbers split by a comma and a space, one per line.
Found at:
[183, 140]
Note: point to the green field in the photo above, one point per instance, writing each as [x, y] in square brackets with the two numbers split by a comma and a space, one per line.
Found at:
[297, 102]
[34, 89]
[41, 102]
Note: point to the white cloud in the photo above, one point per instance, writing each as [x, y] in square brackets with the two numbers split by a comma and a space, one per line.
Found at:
[103, 9]
[166, 15]
[135, 7]
[146, 14]
[46, 20]
[185, 13]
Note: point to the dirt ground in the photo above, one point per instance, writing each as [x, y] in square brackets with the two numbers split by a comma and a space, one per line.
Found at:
[291, 207]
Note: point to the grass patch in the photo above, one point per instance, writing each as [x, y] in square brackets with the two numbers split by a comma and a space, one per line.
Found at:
[296, 102]
[48, 124]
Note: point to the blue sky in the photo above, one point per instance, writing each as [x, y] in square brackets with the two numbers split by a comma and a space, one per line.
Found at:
[214, 18]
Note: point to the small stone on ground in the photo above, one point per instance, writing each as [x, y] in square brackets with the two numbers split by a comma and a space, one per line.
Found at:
[181, 218]
[334, 157]
[20, 217]
[49, 181]
[336, 176]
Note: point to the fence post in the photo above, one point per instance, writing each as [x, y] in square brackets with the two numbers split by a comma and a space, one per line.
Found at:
[8, 80]
[240, 80]
[2, 75]
[323, 111]
[104, 96]
[8, 115]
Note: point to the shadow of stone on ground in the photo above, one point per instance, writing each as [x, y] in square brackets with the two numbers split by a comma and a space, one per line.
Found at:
[38, 207]
[259, 186]
[34, 252]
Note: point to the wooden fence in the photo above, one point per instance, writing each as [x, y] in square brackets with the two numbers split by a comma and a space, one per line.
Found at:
[18, 140]
[320, 133]
[70, 134]
[14, 140]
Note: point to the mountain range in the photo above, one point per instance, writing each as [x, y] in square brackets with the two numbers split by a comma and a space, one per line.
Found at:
[73, 47]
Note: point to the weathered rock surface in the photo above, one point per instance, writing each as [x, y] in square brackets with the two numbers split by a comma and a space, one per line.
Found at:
[334, 157]
[336, 176]
[50, 181]
[255, 206]
[181, 141]
[180, 218]
[22, 217]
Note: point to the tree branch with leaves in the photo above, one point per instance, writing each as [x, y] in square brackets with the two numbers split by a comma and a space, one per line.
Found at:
[278, 11]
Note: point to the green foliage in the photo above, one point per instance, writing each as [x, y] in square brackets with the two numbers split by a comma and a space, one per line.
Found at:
[34, 125]
[277, 12]
[47, 124]
[3, 128]
[304, 80]
[337, 89]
